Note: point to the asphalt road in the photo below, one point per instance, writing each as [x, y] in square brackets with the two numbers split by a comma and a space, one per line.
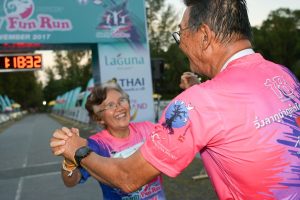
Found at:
[28, 169]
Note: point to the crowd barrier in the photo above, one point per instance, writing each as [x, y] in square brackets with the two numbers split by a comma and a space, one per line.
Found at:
[4, 117]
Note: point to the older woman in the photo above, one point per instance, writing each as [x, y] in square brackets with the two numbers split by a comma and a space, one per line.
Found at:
[109, 106]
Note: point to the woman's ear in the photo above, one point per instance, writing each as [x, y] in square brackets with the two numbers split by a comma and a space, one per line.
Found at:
[95, 118]
[98, 120]
[101, 122]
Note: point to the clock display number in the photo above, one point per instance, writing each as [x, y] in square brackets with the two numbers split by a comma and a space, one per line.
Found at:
[33, 61]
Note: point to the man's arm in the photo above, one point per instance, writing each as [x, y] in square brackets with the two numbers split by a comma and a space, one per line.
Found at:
[128, 174]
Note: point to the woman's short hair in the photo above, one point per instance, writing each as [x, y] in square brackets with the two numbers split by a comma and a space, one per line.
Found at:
[99, 94]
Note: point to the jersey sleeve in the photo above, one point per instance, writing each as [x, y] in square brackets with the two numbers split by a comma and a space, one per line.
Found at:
[182, 132]
[145, 128]
[93, 145]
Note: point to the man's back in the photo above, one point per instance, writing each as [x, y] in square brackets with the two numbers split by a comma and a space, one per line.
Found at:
[254, 153]
[244, 123]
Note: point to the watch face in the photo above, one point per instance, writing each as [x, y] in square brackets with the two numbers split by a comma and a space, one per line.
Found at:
[81, 153]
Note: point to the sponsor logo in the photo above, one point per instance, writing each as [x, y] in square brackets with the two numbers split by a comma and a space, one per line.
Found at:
[18, 17]
[136, 106]
[120, 60]
[115, 22]
[177, 115]
[132, 84]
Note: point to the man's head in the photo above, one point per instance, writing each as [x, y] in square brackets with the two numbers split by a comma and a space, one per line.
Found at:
[228, 19]
[209, 29]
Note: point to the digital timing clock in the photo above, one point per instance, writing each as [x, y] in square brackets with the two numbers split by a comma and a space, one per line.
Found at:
[12, 62]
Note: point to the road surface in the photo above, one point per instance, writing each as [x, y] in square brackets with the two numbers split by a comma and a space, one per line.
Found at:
[28, 169]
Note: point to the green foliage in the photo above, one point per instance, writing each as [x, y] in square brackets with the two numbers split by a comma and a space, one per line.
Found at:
[177, 63]
[278, 39]
[23, 88]
[72, 72]
[161, 21]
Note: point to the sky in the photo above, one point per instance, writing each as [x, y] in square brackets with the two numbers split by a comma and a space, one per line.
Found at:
[258, 10]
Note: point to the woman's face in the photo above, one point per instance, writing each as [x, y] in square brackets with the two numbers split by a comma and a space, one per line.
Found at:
[114, 111]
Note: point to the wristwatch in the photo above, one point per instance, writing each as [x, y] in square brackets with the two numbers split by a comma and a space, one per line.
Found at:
[81, 153]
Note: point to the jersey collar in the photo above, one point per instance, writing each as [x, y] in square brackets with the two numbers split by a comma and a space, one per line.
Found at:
[237, 55]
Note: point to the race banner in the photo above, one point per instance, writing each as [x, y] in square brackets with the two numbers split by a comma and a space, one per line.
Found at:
[72, 21]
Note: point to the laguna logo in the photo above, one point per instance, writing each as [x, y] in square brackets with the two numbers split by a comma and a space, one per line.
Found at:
[120, 60]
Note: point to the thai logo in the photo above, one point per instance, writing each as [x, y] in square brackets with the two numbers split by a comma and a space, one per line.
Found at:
[177, 115]
[21, 8]
[132, 84]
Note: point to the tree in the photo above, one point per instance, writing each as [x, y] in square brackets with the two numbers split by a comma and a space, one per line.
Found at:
[161, 21]
[23, 88]
[73, 68]
[54, 87]
[177, 63]
[278, 39]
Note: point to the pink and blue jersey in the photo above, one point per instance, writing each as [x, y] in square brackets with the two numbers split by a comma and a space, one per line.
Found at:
[107, 145]
[244, 122]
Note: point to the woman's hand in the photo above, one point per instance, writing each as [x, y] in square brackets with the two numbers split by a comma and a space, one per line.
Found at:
[188, 79]
[58, 140]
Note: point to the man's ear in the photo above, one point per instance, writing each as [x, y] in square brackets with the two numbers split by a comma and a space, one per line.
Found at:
[206, 36]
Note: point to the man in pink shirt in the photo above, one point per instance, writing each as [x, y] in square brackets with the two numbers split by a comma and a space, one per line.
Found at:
[244, 121]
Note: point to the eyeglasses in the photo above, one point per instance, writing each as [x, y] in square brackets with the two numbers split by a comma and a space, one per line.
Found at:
[176, 35]
[123, 101]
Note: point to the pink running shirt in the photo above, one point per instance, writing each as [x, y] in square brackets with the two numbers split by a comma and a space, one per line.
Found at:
[104, 144]
[245, 124]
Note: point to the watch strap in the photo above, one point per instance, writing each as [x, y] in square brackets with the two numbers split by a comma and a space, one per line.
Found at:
[81, 153]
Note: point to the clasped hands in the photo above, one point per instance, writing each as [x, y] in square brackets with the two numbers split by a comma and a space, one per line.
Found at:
[64, 142]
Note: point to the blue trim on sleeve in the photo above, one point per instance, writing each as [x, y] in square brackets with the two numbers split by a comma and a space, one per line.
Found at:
[97, 147]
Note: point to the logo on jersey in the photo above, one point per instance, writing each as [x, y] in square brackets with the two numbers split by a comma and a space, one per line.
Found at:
[281, 88]
[177, 115]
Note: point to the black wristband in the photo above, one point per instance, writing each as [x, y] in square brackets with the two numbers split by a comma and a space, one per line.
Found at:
[81, 153]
